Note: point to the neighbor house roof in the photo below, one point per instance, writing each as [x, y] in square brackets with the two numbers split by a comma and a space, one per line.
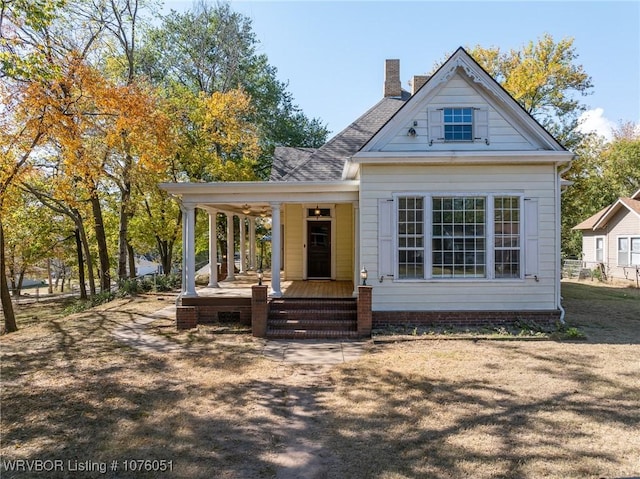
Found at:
[327, 162]
[602, 217]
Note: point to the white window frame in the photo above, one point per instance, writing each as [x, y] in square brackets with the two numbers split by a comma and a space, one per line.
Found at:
[428, 235]
[479, 125]
[595, 248]
[632, 240]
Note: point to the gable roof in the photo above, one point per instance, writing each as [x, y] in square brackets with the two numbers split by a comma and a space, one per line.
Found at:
[602, 217]
[327, 162]
[461, 61]
[333, 161]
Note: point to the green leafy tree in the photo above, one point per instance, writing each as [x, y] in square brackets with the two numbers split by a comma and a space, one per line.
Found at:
[213, 49]
[601, 172]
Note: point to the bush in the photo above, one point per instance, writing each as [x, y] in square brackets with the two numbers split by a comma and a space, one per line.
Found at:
[83, 304]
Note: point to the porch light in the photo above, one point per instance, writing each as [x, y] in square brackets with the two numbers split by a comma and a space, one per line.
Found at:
[246, 209]
[364, 274]
[260, 276]
[317, 212]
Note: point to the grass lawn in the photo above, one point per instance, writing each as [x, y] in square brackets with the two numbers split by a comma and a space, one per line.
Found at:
[215, 407]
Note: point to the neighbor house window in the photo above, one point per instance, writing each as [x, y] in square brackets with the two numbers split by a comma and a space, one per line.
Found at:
[411, 238]
[629, 250]
[600, 249]
[458, 124]
[449, 236]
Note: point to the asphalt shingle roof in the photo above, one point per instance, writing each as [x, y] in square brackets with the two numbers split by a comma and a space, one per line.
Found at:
[326, 163]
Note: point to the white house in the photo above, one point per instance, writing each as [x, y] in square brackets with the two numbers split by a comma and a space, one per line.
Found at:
[449, 197]
[611, 239]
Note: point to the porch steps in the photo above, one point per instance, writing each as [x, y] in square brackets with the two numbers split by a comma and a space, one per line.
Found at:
[312, 318]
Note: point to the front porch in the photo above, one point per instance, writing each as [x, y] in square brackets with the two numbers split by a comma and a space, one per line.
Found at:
[306, 309]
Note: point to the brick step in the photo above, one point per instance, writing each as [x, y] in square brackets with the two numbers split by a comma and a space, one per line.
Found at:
[319, 304]
[314, 324]
[306, 334]
[314, 315]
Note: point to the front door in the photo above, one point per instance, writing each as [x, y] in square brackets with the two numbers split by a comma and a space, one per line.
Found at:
[319, 249]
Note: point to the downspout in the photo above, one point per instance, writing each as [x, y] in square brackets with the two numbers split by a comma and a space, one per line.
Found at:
[558, 192]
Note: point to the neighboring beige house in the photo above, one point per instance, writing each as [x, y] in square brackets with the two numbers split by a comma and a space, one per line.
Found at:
[611, 238]
[448, 195]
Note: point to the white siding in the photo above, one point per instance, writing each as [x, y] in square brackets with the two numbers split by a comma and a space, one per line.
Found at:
[531, 181]
[458, 92]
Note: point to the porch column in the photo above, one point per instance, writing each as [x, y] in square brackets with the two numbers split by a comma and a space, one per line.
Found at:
[242, 224]
[183, 272]
[189, 250]
[275, 250]
[252, 243]
[213, 249]
[356, 247]
[230, 249]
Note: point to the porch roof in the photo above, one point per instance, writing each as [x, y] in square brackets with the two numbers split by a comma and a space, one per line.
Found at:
[257, 195]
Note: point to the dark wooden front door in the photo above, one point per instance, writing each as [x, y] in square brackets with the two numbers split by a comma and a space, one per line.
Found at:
[319, 249]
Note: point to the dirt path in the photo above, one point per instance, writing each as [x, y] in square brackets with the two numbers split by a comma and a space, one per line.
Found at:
[303, 453]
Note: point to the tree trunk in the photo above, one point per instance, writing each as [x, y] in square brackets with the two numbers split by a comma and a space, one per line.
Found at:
[19, 283]
[50, 288]
[125, 215]
[165, 248]
[77, 219]
[7, 306]
[101, 240]
[132, 261]
[83, 286]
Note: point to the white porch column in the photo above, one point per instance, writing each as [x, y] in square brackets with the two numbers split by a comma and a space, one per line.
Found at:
[243, 246]
[356, 247]
[230, 249]
[213, 250]
[252, 243]
[189, 250]
[276, 241]
[183, 271]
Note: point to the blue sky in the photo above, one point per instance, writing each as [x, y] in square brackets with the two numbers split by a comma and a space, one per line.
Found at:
[332, 53]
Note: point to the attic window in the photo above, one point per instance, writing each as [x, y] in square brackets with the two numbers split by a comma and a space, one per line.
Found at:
[458, 124]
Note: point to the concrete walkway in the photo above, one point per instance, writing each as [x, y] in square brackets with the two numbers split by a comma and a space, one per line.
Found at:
[316, 352]
[313, 351]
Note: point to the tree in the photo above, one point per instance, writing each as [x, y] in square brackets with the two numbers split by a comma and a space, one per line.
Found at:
[601, 172]
[21, 58]
[213, 49]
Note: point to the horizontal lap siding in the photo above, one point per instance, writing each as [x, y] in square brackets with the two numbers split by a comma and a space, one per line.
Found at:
[293, 242]
[459, 93]
[533, 181]
[344, 242]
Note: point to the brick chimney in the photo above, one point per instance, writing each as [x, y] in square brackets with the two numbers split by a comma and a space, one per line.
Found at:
[417, 82]
[392, 85]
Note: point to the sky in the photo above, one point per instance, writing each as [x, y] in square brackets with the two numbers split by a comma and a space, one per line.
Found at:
[331, 54]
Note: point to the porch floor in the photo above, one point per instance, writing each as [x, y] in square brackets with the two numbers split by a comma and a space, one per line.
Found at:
[240, 287]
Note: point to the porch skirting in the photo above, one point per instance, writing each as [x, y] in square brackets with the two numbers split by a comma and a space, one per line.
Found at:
[461, 319]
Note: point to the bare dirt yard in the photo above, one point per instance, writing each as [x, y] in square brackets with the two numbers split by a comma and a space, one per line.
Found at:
[78, 402]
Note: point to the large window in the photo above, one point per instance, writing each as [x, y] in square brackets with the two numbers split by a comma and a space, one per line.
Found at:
[458, 124]
[628, 250]
[459, 237]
